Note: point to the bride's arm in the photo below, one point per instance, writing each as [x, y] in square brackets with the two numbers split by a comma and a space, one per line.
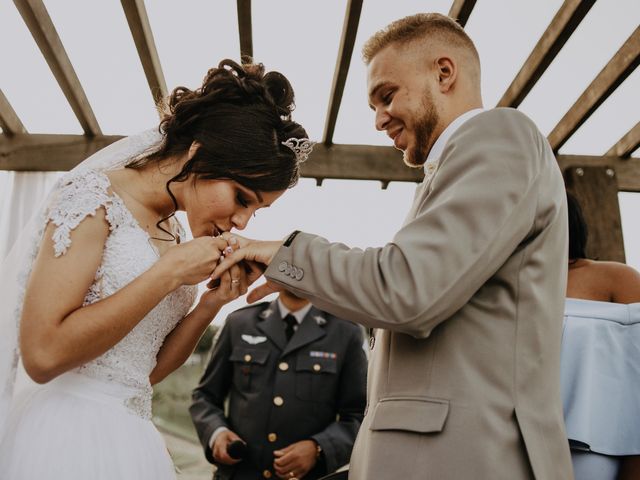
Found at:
[57, 333]
[182, 341]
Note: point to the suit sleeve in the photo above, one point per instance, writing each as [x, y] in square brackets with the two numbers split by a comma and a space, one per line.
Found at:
[338, 438]
[478, 209]
[207, 407]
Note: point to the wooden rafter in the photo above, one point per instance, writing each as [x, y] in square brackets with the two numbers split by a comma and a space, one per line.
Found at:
[39, 152]
[553, 39]
[461, 10]
[9, 120]
[610, 77]
[627, 144]
[39, 22]
[138, 21]
[349, 32]
[245, 29]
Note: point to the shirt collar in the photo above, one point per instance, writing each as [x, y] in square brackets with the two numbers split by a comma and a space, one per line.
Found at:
[441, 142]
[298, 314]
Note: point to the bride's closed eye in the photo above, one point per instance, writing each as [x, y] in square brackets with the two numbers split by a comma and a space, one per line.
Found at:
[241, 199]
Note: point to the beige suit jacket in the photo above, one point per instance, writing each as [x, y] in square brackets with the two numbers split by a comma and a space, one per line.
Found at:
[468, 302]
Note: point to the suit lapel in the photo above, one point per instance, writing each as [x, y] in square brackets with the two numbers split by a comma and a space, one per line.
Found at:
[272, 325]
[308, 331]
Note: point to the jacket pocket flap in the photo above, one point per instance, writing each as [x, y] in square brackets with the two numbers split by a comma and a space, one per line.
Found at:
[317, 365]
[249, 355]
[421, 415]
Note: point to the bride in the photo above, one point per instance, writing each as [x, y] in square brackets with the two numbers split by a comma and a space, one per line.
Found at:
[104, 286]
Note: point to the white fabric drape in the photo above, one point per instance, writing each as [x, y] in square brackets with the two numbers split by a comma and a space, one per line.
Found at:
[21, 193]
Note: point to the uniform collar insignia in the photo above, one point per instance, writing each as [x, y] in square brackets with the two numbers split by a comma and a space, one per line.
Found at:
[320, 320]
[266, 313]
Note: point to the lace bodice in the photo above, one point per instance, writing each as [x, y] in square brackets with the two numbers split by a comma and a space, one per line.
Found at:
[128, 253]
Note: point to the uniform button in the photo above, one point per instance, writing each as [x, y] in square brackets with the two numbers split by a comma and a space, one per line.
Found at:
[272, 437]
[278, 401]
[247, 358]
[316, 367]
[284, 366]
[266, 474]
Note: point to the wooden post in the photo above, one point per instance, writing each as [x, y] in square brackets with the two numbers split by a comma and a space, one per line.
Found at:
[596, 189]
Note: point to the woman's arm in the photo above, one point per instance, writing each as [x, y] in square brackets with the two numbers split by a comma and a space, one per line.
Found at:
[181, 342]
[626, 283]
[57, 333]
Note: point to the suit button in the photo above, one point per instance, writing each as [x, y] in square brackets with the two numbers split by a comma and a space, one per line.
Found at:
[372, 342]
[266, 474]
[278, 401]
[247, 358]
[284, 366]
[317, 367]
[299, 274]
[272, 437]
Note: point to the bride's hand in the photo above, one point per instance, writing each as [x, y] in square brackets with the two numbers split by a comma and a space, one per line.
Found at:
[192, 262]
[233, 284]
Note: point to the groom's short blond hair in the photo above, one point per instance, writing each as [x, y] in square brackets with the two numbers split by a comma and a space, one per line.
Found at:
[416, 27]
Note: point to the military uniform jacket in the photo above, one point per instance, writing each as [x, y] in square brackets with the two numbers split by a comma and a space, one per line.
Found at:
[467, 300]
[313, 387]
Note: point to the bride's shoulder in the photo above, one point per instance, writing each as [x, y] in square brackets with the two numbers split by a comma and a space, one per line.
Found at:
[76, 196]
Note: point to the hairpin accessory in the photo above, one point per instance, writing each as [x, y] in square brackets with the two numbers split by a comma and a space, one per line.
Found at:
[302, 147]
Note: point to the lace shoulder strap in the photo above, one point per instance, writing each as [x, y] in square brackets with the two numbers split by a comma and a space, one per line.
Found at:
[75, 196]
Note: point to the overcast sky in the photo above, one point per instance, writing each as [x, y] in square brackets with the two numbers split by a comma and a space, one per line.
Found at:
[300, 38]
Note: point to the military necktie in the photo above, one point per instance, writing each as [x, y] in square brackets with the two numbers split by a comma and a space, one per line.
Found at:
[290, 321]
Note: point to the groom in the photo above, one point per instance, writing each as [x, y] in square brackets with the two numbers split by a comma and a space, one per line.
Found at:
[467, 300]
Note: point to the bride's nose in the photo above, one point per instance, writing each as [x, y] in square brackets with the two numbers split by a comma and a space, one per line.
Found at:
[240, 219]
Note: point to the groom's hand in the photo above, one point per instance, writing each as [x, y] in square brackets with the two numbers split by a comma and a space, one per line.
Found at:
[252, 252]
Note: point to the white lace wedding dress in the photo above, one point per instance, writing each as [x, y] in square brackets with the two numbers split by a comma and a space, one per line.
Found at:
[94, 422]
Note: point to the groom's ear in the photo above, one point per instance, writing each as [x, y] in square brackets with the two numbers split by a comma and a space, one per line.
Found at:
[193, 149]
[447, 71]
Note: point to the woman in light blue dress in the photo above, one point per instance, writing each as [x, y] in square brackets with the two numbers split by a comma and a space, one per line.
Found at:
[600, 368]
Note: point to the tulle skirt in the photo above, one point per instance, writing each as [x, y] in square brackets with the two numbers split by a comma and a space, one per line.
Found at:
[79, 428]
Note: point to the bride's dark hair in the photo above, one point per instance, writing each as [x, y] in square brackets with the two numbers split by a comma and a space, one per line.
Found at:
[239, 116]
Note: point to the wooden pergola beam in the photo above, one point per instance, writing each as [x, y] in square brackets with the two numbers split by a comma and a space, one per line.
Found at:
[39, 22]
[39, 152]
[9, 120]
[461, 10]
[138, 21]
[627, 144]
[349, 32]
[626, 171]
[561, 27]
[610, 77]
[245, 30]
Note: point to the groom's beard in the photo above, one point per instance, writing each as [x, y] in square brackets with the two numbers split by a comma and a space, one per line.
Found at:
[424, 128]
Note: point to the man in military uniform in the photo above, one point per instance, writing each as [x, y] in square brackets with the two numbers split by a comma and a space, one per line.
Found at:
[295, 378]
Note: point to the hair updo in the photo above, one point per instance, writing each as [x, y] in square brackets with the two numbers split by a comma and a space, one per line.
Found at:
[239, 116]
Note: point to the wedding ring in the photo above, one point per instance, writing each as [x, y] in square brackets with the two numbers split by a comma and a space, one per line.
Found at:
[235, 281]
[292, 475]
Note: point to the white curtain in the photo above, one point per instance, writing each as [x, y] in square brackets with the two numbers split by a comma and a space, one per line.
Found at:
[21, 193]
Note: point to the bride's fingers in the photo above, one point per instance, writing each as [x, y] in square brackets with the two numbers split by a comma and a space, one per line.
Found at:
[235, 274]
[228, 262]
